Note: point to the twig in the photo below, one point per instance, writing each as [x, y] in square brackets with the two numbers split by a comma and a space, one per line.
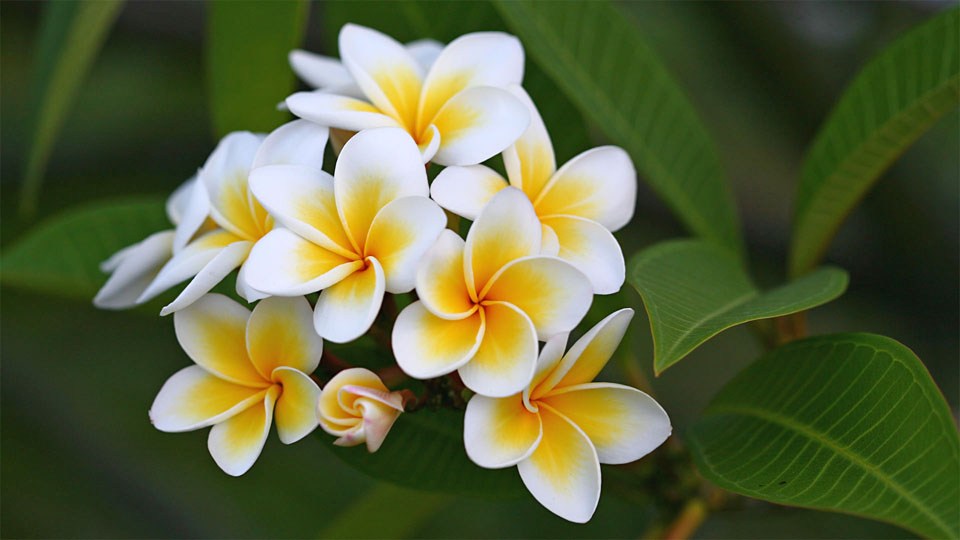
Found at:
[333, 363]
[688, 521]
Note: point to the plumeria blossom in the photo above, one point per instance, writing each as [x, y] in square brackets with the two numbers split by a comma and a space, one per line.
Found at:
[355, 235]
[563, 426]
[249, 368]
[484, 303]
[457, 112]
[357, 407]
[241, 221]
[578, 205]
[134, 267]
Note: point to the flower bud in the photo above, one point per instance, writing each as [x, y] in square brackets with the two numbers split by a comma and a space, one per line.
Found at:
[356, 407]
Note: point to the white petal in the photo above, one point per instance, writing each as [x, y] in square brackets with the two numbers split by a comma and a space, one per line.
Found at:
[623, 423]
[224, 175]
[388, 75]
[507, 229]
[195, 213]
[236, 443]
[279, 333]
[194, 398]
[244, 290]
[499, 432]
[295, 143]
[297, 406]
[550, 356]
[550, 245]
[592, 249]
[563, 473]
[376, 166]
[599, 184]
[440, 280]
[429, 143]
[317, 70]
[189, 261]
[284, 264]
[337, 111]
[465, 190]
[424, 51]
[178, 200]
[346, 310]
[400, 235]
[134, 267]
[212, 273]
[427, 346]
[530, 161]
[477, 124]
[503, 365]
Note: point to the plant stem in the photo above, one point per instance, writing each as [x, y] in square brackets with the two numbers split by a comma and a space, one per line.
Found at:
[333, 363]
[687, 521]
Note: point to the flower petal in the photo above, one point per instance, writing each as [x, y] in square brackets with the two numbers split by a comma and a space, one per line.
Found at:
[429, 142]
[317, 70]
[440, 281]
[476, 59]
[284, 264]
[552, 292]
[592, 249]
[424, 51]
[297, 405]
[280, 334]
[599, 184]
[178, 201]
[212, 333]
[400, 235]
[505, 362]
[346, 309]
[623, 423]
[301, 199]
[134, 268]
[207, 278]
[465, 190]
[506, 229]
[530, 161]
[563, 473]
[550, 245]
[550, 356]
[499, 432]
[427, 346]
[376, 166]
[477, 124]
[590, 353]
[295, 143]
[236, 443]
[336, 410]
[225, 177]
[193, 216]
[194, 398]
[388, 75]
[244, 290]
[189, 261]
[337, 111]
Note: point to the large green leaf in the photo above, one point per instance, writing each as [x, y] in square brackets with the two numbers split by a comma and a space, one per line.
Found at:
[71, 34]
[894, 99]
[595, 54]
[693, 290]
[425, 451]
[247, 70]
[850, 422]
[62, 256]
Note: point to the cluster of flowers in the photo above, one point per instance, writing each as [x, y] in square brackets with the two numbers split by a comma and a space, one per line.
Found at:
[538, 249]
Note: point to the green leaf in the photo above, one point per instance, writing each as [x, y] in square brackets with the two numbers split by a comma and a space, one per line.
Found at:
[617, 81]
[62, 255]
[71, 34]
[851, 423]
[898, 95]
[425, 451]
[247, 70]
[693, 290]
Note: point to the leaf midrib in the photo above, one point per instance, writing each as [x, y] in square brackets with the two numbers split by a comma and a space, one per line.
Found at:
[790, 423]
[733, 304]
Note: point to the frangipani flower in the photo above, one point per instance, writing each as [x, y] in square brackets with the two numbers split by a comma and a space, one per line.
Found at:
[563, 426]
[485, 302]
[579, 205]
[250, 367]
[134, 267]
[328, 74]
[240, 219]
[458, 112]
[356, 407]
[355, 235]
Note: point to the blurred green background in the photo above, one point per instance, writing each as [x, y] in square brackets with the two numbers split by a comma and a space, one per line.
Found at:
[80, 458]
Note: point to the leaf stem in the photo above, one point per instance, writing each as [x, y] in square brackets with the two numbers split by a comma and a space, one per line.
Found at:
[687, 521]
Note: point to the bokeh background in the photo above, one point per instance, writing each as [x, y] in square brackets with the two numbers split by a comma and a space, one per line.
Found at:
[80, 458]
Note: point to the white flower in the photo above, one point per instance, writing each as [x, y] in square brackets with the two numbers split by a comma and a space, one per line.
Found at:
[249, 367]
[355, 235]
[458, 112]
[356, 407]
[240, 219]
[578, 205]
[563, 426]
[134, 267]
[485, 302]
